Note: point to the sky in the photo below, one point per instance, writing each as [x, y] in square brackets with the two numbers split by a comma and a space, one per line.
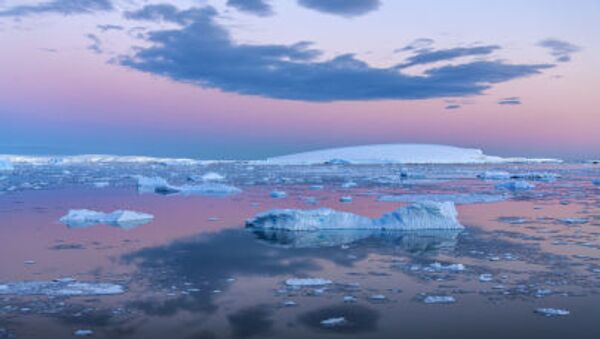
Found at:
[249, 79]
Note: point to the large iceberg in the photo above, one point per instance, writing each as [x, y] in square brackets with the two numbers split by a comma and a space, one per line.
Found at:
[81, 218]
[6, 166]
[397, 154]
[95, 159]
[160, 185]
[60, 287]
[418, 216]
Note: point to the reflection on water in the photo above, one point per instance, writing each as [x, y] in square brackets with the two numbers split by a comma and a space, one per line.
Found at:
[195, 272]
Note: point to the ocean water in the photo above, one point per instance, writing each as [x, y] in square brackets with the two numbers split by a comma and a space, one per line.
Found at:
[195, 271]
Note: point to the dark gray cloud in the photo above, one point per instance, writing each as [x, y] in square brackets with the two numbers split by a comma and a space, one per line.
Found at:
[417, 44]
[559, 49]
[430, 56]
[347, 8]
[96, 43]
[510, 101]
[65, 7]
[256, 7]
[109, 27]
[201, 52]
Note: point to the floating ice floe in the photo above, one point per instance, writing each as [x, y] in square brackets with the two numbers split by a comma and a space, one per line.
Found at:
[457, 198]
[418, 216]
[346, 199]
[60, 287]
[83, 333]
[486, 277]
[90, 159]
[436, 266]
[573, 221]
[278, 194]
[160, 185]
[333, 322]
[6, 166]
[543, 176]
[439, 299]
[77, 218]
[209, 176]
[494, 175]
[397, 154]
[349, 184]
[515, 186]
[552, 312]
[307, 282]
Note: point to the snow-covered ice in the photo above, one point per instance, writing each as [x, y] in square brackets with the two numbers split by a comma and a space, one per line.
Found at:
[83, 333]
[396, 154]
[161, 185]
[60, 287]
[494, 175]
[125, 219]
[95, 159]
[6, 165]
[552, 312]
[418, 216]
[278, 194]
[307, 282]
[439, 299]
[333, 322]
[519, 185]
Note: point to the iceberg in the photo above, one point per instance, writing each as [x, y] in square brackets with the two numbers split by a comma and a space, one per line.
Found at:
[210, 176]
[86, 159]
[396, 154]
[439, 299]
[457, 198]
[307, 282]
[6, 166]
[552, 312]
[515, 186]
[418, 216]
[333, 322]
[543, 176]
[82, 218]
[278, 194]
[161, 186]
[494, 175]
[60, 287]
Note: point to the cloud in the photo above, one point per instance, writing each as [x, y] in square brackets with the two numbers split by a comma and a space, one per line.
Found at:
[559, 49]
[347, 8]
[430, 56]
[65, 7]
[417, 44]
[510, 101]
[201, 52]
[96, 43]
[256, 7]
[109, 27]
[452, 106]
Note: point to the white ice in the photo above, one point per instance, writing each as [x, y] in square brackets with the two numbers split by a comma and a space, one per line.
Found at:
[6, 165]
[418, 216]
[457, 198]
[333, 322]
[439, 299]
[161, 185]
[519, 185]
[60, 287]
[396, 154]
[307, 282]
[125, 219]
[552, 312]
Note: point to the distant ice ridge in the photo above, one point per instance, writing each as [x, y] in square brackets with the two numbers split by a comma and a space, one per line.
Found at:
[94, 159]
[6, 166]
[160, 185]
[419, 216]
[503, 175]
[81, 218]
[60, 287]
[397, 154]
[457, 198]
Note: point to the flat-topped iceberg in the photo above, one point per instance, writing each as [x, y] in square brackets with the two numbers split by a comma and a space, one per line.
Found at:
[161, 186]
[418, 216]
[397, 154]
[60, 287]
[81, 218]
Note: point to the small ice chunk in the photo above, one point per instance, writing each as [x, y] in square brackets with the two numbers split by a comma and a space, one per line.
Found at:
[60, 288]
[552, 312]
[544, 176]
[439, 299]
[349, 299]
[278, 194]
[346, 199]
[337, 162]
[333, 322]
[519, 185]
[101, 184]
[121, 218]
[212, 176]
[349, 184]
[378, 297]
[307, 282]
[573, 221]
[290, 303]
[83, 333]
[494, 175]
[449, 267]
[486, 277]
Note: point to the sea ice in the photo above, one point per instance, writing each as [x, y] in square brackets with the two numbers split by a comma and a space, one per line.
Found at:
[307, 282]
[212, 176]
[6, 166]
[160, 185]
[418, 216]
[494, 175]
[543, 176]
[121, 218]
[573, 221]
[436, 266]
[333, 322]
[552, 312]
[439, 299]
[515, 186]
[60, 287]
[278, 194]
[83, 333]
[346, 199]
[486, 277]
